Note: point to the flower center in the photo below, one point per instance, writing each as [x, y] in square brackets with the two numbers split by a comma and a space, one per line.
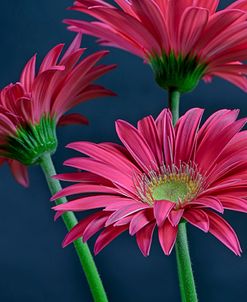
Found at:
[171, 190]
[179, 72]
[178, 185]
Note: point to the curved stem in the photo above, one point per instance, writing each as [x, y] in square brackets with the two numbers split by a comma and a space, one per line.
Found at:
[70, 221]
[185, 273]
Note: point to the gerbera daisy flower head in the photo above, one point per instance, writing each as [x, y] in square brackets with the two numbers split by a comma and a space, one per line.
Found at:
[183, 41]
[31, 109]
[161, 176]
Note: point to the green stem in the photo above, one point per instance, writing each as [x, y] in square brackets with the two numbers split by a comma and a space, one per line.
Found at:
[173, 102]
[70, 221]
[185, 273]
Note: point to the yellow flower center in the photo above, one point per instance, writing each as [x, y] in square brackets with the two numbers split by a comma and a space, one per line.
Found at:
[178, 185]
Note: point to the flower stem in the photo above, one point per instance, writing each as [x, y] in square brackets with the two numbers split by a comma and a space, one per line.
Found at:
[173, 102]
[70, 221]
[185, 273]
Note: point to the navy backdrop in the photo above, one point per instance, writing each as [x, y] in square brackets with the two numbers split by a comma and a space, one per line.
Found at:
[33, 266]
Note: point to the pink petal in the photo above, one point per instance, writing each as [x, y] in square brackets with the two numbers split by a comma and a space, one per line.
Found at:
[74, 46]
[175, 9]
[149, 131]
[236, 79]
[216, 122]
[103, 170]
[118, 206]
[124, 221]
[228, 167]
[125, 24]
[126, 6]
[175, 216]
[162, 209]
[73, 82]
[28, 74]
[191, 27]
[224, 232]
[120, 150]
[211, 5]
[219, 140]
[208, 201]
[95, 73]
[81, 189]
[234, 203]
[107, 236]
[58, 215]
[186, 134]
[198, 218]
[136, 145]
[94, 226]
[167, 237]
[239, 4]
[231, 37]
[89, 93]
[151, 15]
[82, 177]
[51, 58]
[166, 132]
[235, 69]
[235, 53]
[77, 231]
[144, 238]
[126, 211]
[107, 156]
[217, 24]
[41, 94]
[8, 127]
[140, 220]
[106, 34]
[20, 172]
[227, 187]
[73, 119]
[92, 202]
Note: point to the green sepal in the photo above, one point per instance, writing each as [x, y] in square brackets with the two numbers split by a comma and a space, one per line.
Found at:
[177, 72]
[31, 141]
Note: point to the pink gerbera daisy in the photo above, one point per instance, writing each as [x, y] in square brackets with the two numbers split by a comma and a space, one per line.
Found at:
[31, 108]
[182, 40]
[162, 176]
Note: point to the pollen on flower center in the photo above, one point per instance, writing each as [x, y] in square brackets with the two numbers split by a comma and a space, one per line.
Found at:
[178, 185]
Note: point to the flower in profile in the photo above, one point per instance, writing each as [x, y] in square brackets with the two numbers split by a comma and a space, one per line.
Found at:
[161, 176]
[31, 109]
[183, 41]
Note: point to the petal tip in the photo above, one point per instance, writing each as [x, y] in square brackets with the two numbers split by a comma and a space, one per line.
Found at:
[96, 250]
[64, 244]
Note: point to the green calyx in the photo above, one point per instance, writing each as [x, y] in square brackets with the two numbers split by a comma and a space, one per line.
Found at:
[173, 191]
[31, 141]
[177, 72]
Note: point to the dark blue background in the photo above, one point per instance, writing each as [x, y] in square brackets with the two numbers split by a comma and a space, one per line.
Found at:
[33, 266]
